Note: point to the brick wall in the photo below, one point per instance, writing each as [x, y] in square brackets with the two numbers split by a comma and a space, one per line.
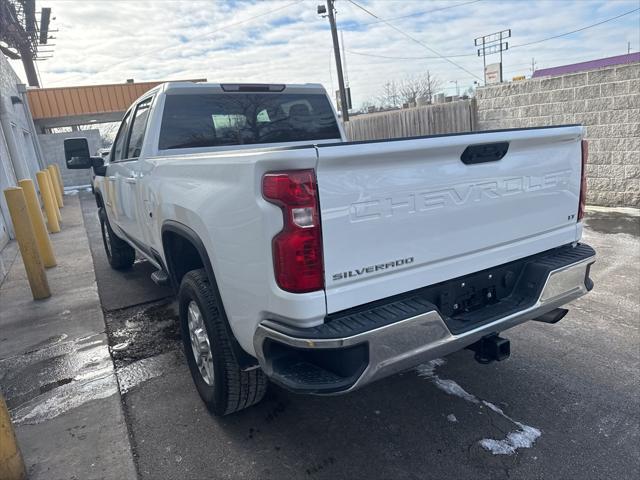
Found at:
[53, 150]
[605, 101]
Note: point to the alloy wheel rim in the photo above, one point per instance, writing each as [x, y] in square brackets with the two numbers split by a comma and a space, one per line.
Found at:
[200, 344]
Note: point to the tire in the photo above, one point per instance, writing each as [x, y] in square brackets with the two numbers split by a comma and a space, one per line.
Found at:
[120, 254]
[222, 385]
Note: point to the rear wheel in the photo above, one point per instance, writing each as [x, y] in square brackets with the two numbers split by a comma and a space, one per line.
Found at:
[222, 385]
[119, 253]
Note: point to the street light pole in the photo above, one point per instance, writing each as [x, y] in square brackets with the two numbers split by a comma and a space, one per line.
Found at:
[336, 51]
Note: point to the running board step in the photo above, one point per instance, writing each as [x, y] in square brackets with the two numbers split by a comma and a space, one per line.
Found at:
[160, 278]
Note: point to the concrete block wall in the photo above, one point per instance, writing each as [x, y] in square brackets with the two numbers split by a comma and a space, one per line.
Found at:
[606, 101]
[53, 150]
[19, 150]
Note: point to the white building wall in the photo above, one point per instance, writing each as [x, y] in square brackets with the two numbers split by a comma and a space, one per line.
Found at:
[19, 157]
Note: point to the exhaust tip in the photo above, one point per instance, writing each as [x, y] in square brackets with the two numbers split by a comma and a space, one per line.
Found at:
[554, 316]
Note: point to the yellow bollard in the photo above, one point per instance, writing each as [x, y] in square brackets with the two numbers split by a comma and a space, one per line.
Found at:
[49, 207]
[56, 185]
[37, 221]
[11, 462]
[52, 193]
[60, 181]
[56, 171]
[27, 243]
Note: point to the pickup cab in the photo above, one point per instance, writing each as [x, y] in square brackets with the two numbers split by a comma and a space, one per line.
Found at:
[320, 264]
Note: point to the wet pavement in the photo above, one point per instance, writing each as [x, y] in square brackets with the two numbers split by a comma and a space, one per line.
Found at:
[565, 405]
[118, 289]
[56, 372]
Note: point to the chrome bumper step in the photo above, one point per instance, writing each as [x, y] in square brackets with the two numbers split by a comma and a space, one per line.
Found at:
[375, 340]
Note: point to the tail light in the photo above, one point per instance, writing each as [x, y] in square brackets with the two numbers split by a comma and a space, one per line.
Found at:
[297, 249]
[583, 180]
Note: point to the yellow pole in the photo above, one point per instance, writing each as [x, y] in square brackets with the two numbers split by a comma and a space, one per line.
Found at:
[49, 207]
[37, 221]
[27, 243]
[56, 185]
[11, 462]
[60, 181]
[52, 194]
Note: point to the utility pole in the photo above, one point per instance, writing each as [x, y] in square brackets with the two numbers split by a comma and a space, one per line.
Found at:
[344, 61]
[628, 48]
[457, 87]
[533, 65]
[336, 51]
[22, 34]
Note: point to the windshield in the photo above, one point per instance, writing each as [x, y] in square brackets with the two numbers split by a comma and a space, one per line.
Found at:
[222, 119]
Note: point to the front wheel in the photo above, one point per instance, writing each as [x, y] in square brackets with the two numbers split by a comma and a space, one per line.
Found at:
[119, 253]
[223, 386]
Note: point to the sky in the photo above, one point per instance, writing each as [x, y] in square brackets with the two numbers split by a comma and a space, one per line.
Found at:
[286, 41]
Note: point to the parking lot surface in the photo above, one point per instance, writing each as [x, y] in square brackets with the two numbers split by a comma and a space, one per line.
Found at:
[565, 404]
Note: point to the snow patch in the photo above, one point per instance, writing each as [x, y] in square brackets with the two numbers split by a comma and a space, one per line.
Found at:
[75, 189]
[452, 388]
[524, 437]
[427, 370]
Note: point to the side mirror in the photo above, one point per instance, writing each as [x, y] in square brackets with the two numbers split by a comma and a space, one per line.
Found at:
[76, 153]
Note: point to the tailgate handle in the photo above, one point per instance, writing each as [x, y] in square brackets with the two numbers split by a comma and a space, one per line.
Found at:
[486, 152]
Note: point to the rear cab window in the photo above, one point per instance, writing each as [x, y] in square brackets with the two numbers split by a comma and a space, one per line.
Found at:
[193, 120]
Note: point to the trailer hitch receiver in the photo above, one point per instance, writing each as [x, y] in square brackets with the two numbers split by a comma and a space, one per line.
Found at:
[491, 348]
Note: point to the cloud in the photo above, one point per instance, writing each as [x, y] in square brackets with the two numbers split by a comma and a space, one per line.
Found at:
[288, 42]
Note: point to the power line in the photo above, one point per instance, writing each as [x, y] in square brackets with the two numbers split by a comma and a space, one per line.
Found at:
[210, 34]
[402, 32]
[365, 54]
[425, 12]
[511, 46]
[578, 30]
[260, 15]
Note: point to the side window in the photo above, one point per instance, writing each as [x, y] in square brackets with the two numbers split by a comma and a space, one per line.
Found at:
[121, 138]
[138, 129]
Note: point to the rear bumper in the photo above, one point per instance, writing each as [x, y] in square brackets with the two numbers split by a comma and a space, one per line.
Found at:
[359, 347]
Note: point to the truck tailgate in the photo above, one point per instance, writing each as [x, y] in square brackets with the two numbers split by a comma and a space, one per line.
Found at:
[402, 214]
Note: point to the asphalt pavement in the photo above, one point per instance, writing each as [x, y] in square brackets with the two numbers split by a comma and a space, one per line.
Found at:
[565, 405]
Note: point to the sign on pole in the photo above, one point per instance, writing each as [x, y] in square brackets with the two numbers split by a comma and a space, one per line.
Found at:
[493, 73]
[490, 44]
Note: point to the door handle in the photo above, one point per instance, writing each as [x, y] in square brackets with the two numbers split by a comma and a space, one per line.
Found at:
[130, 179]
[483, 153]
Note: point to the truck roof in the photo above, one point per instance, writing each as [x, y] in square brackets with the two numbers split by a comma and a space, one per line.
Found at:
[210, 87]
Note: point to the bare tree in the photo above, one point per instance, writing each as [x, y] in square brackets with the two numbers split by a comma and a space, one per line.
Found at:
[107, 130]
[420, 86]
[366, 106]
[390, 96]
[431, 85]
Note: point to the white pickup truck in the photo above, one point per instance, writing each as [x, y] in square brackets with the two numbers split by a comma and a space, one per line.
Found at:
[322, 264]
